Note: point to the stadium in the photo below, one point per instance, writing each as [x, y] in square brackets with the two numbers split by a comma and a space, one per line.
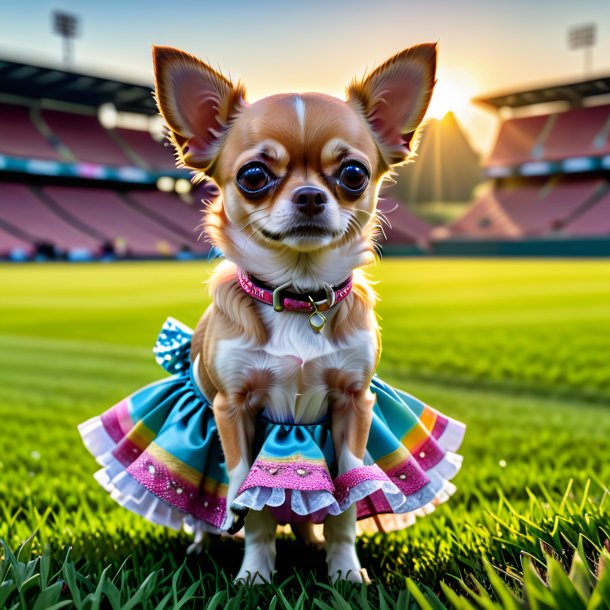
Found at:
[550, 173]
[85, 174]
[72, 187]
[493, 299]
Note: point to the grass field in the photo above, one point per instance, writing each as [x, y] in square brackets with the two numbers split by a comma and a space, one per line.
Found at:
[516, 349]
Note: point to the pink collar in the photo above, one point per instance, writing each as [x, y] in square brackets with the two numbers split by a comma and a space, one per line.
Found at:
[283, 299]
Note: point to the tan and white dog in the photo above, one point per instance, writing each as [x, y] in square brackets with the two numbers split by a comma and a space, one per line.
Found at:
[299, 176]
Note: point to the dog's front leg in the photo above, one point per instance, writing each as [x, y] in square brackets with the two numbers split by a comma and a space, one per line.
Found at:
[351, 418]
[235, 423]
[259, 552]
[341, 557]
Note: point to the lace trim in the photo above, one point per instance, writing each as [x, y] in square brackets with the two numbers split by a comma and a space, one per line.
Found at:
[134, 496]
[302, 503]
[452, 436]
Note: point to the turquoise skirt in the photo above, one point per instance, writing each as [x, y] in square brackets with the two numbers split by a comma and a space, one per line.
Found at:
[161, 456]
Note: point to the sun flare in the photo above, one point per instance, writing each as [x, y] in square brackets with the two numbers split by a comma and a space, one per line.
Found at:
[452, 93]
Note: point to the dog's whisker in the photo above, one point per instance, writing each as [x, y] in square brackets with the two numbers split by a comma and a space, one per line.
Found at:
[381, 216]
[379, 224]
[256, 230]
[249, 223]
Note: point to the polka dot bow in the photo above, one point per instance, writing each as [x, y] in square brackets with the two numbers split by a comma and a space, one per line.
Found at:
[173, 346]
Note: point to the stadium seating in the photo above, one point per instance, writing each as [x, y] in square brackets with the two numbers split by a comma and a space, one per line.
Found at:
[534, 208]
[20, 137]
[153, 155]
[594, 221]
[168, 209]
[540, 210]
[486, 218]
[404, 227]
[578, 133]
[550, 171]
[85, 137]
[516, 140]
[22, 208]
[10, 243]
[104, 212]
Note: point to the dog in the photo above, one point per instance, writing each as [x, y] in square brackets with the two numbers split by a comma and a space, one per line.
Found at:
[299, 176]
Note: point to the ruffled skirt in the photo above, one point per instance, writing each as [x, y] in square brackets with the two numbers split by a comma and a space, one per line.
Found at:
[161, 456]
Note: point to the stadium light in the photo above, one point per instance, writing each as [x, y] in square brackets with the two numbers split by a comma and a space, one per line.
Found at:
[183, 186]
[156, 128]
[107, 115]
[165, 184]
[584, 37]
[66, 25]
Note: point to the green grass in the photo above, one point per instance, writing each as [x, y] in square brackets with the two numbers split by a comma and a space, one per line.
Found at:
[516, 349]
[439, 213]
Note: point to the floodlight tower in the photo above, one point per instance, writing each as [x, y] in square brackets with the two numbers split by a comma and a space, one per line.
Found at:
[66, 26]
[584, 37]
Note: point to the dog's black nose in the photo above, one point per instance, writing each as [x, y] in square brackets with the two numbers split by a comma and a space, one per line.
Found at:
[309, 200]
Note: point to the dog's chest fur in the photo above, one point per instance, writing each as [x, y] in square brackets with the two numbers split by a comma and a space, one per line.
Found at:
[298, 372]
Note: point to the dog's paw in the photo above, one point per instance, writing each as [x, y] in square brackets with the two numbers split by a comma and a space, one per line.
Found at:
[343, 563]
[247, 578]
[360, 576]
[257, 566]
[201, 542]
[196, 548]
[201, 538]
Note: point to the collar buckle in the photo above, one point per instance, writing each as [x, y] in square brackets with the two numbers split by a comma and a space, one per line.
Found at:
[282, 297]
[327, 303]
[278, 303]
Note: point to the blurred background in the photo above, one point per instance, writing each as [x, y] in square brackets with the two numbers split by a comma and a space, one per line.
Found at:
[514, 156]
[494, 285]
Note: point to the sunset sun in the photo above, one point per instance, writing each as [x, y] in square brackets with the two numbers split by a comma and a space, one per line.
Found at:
[452, 93]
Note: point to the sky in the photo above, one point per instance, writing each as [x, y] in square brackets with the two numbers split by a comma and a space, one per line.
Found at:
[485, 46]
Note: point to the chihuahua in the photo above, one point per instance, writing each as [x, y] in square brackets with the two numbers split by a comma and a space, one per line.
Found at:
[299, 176]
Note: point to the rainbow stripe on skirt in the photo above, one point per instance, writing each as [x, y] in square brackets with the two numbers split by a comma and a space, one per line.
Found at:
[161, 456]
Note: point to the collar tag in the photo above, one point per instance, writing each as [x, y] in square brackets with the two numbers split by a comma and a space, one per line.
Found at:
[317, 320]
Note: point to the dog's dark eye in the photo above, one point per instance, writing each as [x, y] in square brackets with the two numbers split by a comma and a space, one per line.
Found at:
[353, 177]
[254, 179]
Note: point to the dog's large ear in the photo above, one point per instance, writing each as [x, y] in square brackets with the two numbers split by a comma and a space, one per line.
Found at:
[394, 98]
[197, 104]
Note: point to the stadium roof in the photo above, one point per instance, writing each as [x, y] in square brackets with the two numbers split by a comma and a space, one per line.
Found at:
[572, 92]
[38, 82]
